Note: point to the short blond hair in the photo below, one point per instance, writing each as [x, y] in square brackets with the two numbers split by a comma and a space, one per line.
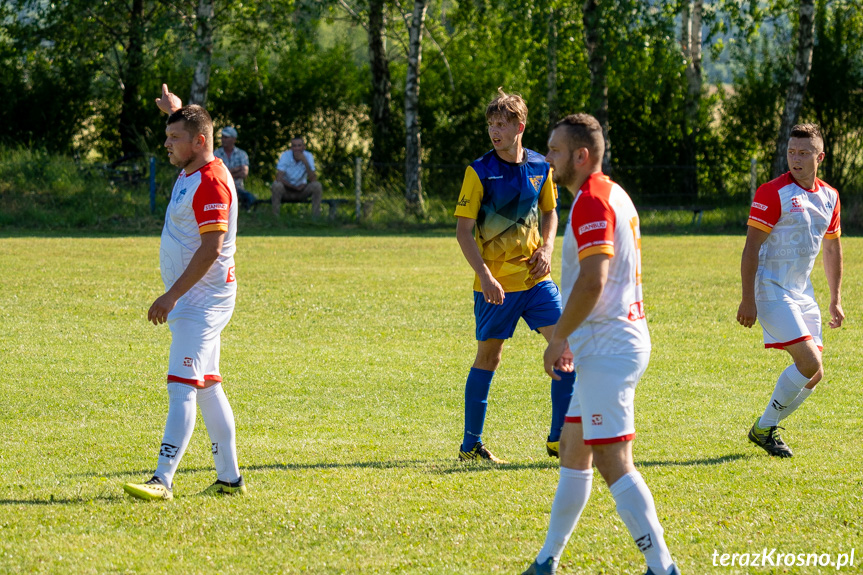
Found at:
[510, 106]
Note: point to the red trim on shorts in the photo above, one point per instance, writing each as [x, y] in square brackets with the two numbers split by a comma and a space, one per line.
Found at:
[569, 419]
[195, 382]
[213, 378]
[607, 440]
[787, 343]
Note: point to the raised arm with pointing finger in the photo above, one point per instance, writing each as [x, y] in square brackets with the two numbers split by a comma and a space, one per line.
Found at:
[196, 258]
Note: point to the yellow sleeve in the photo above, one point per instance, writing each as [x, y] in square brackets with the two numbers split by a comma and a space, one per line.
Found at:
[548, 194]
[470, 197]
[756, 224]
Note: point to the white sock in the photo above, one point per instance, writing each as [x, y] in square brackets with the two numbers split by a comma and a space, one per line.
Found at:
[178, 430]
[573, 491]
[219, 419]
[635, 506]
[788, 387]
[801, 397]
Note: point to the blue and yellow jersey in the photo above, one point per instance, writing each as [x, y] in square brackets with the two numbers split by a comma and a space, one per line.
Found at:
[505, 200]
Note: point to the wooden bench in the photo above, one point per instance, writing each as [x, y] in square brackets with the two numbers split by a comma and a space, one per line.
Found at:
[333, 204]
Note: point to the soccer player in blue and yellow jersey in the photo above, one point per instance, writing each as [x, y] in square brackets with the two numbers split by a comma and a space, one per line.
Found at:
[503, 194]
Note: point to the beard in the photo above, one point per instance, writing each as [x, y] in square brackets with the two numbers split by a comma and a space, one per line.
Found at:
[178, 161]
[562, 175]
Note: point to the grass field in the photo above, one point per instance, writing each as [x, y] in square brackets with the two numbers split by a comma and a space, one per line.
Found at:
[345, 364]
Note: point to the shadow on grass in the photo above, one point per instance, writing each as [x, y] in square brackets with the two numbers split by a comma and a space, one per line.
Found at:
[131, 474]
[64, 500]
[404, 463]
[269, 466]
[694, 462]
[467, 467]
[480, 467]
[438, 468]
[430, 466]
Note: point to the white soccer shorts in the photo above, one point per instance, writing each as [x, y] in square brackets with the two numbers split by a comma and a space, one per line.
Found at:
[604, 398]
[196, 343]
[786, 322]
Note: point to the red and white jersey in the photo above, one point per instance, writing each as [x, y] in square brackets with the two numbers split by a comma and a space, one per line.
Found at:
[604, 221]
[797, 220]
[203, 201]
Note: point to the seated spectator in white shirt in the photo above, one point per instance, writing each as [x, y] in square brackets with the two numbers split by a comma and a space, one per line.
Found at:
[296, 179]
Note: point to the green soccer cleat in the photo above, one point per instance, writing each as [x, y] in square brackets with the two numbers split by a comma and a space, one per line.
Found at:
[152, 490]
[479, 452]
[553, 448]
[547, 568]
[768, 439]
[220, 487]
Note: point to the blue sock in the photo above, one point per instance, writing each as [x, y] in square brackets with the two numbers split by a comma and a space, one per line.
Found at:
[475, 405]
[561, 395]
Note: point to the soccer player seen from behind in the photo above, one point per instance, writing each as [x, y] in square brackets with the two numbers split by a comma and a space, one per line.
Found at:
[603, 325]
[503, 194]
[789, 218]
[197, 261]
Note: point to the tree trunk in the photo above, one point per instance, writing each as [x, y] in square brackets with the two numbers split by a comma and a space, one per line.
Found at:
[690, 43]
[381, 89]
[551, 76]
[204, 39]
[413, 153]
[797, 86]
[592, 18]
[130, 135]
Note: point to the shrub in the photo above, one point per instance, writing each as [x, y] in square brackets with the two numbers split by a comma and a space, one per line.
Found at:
[51, 191]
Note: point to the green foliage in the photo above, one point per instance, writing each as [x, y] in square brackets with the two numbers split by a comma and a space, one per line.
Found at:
[750, 114]
[293, 96]
[646, 99]
[837, 65]
[45, 87]
[47, 191]
[300, 67]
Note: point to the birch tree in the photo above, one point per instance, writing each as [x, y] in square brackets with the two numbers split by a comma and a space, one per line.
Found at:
[413, 150]
[204, 23]
[797, 85]
[690, 43]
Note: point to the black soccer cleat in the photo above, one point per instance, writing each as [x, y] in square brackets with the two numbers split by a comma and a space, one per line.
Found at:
[768, 439]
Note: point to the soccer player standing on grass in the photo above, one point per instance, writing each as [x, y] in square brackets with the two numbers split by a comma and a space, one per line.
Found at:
[787, 221]
[502, 196]
[197, 261]
[603, 325]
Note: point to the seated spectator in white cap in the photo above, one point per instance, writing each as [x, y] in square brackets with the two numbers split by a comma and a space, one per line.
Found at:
[237, 162]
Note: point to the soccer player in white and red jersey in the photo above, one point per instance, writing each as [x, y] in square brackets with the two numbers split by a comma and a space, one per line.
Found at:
[603, 322]
[789, 218]
[197, 261]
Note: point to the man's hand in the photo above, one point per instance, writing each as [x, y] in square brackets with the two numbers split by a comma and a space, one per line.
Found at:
[168, 102]
[492, 291]
[746, 313]
[540, 262]
[158, 312]
[282, 177]
[837, 316]
[558, 356]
